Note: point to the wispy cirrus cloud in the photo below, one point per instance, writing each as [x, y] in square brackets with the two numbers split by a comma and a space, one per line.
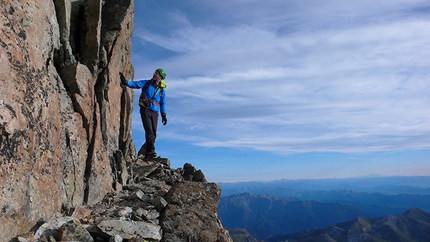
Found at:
[298, 76]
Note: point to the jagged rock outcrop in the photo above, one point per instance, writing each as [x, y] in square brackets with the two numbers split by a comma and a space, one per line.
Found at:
[242, 235]
[191, 213]
[157, 204]
[65, 122]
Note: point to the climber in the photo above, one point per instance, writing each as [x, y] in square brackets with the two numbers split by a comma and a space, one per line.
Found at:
[151, 100]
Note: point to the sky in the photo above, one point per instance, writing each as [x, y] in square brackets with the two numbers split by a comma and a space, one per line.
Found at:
[261, 90]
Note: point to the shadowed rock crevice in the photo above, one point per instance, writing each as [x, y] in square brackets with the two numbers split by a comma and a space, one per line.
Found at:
[125, 138]
[101, 92]
[88, 163]
[77, 28]
[112, 19]
[70, 189]
[64, 55]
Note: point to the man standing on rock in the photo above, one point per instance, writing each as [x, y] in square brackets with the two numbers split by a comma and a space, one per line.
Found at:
[152, 99]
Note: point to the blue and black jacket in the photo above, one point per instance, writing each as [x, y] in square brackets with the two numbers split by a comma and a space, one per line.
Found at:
[152, 97]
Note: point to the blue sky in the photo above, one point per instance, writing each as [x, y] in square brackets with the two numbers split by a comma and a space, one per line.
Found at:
[289, 89]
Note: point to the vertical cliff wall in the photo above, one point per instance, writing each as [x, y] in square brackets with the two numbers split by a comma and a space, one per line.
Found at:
[64, 119]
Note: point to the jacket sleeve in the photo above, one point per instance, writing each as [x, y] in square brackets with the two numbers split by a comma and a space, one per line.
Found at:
[137, 84]
[163, 102]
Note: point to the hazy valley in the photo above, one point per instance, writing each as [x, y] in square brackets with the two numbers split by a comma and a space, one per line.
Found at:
[269, 209]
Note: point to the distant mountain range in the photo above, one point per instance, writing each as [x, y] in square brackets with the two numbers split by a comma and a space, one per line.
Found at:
[374, 204]
[265, 216]
[411, 226]
[392, 185]
[267, 209]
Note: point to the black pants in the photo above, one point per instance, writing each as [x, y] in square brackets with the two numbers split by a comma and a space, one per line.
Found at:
[149, 121]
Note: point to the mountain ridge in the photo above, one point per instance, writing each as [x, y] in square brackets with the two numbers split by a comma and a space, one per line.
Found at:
[376, 202]
[390, 185]
[265, 216]
[413, 225]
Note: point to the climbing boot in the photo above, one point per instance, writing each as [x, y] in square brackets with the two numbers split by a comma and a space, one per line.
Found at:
[151, 155]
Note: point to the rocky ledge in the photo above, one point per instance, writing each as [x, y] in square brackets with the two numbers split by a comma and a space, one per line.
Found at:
[156, 204]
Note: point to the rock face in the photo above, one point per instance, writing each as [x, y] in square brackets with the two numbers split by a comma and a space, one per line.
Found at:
[68, 170]
[64, 119]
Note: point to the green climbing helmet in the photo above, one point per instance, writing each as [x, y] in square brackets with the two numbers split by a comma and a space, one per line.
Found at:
[162, 73]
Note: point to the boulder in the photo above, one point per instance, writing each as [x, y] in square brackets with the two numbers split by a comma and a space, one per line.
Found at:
[131, 229]
[191, 214]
